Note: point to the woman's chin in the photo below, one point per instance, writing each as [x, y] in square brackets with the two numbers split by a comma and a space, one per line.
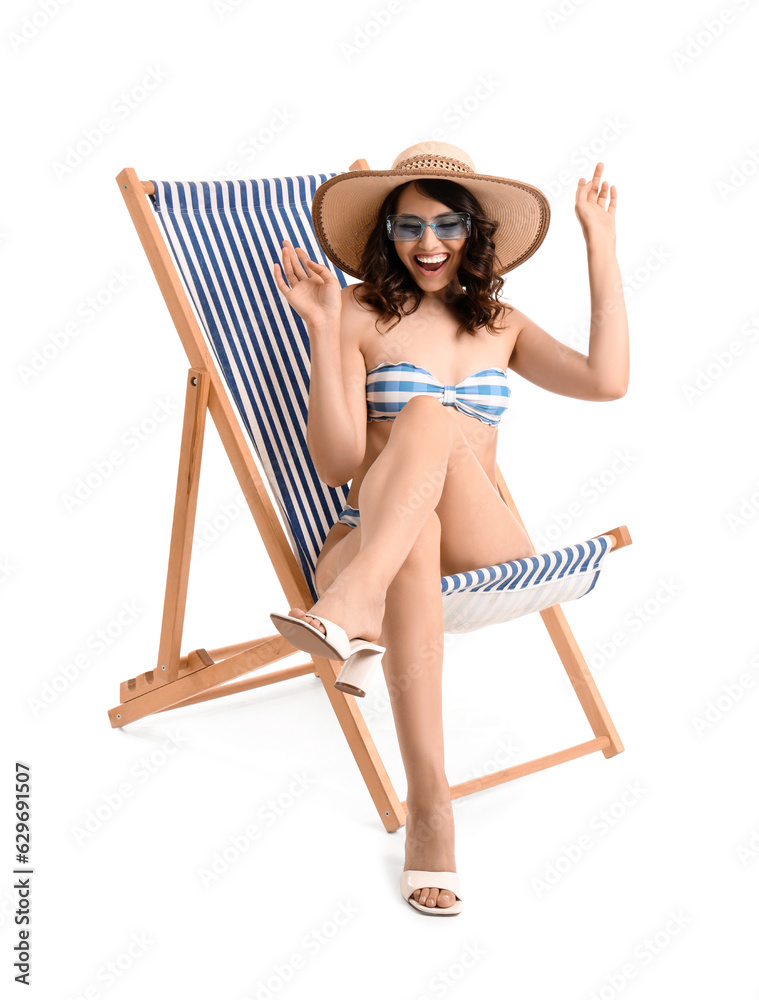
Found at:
[432, 284]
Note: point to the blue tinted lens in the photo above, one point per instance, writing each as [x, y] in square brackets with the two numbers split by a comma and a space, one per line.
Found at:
[410, 227]
[452, 227]
[407, 229]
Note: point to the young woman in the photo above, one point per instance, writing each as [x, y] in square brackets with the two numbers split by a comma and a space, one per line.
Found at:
[429, 240]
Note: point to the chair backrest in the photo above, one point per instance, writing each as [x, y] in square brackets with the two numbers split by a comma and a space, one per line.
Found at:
[225, 237]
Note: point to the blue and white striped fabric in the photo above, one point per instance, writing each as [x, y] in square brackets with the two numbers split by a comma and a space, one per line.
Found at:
[509, 590]
[484, 395]
[225, 237]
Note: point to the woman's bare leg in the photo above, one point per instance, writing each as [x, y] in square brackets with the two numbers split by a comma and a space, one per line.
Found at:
[396, 498]
[412, 634]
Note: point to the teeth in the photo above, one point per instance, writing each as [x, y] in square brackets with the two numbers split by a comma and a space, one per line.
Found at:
[433, 260]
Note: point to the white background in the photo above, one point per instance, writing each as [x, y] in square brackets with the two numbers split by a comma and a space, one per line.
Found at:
[602, 81]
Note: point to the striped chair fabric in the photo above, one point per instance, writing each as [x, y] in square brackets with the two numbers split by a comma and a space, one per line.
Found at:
[225, 237]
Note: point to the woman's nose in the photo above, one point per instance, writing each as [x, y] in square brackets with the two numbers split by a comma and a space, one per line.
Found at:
[428, 240]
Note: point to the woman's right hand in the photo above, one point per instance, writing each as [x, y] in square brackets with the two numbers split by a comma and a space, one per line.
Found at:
[314, 291]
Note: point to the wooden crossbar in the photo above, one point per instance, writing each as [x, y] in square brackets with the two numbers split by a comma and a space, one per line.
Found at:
[528, 767]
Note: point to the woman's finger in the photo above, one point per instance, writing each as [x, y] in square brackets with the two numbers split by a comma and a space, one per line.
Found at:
[315, 263]
[595, 182]
[299, 270]
[314, 269]
[287, 265]
[304, 261]
[298, 263]
[612, 200]
[322, 270]
[290, 259]
[280, 281]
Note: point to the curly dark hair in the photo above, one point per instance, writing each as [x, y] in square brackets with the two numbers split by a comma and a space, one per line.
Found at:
[388, 284]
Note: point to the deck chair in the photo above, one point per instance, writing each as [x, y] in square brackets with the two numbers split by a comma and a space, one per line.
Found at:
[211, 247]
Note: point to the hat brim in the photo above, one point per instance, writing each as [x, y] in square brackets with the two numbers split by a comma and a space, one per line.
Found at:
[344, 212]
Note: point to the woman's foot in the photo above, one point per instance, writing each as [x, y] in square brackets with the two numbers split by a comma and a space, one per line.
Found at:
[350, 603]
[429, 847]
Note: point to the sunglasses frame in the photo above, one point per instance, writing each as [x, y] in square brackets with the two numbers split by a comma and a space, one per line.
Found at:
[433, 226]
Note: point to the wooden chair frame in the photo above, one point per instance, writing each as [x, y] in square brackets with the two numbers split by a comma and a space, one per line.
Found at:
[204, 674]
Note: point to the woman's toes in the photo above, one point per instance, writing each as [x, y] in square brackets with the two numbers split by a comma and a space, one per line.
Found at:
[297, 613]
[434, 897]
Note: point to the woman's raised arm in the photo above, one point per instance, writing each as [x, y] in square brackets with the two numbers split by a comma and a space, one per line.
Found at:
[608, 347]
[602, 373]
[332, 434]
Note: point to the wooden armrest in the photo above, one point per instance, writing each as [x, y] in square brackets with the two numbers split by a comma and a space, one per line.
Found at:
[621, 536]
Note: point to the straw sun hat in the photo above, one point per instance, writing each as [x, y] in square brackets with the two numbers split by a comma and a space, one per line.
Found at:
[345, 207]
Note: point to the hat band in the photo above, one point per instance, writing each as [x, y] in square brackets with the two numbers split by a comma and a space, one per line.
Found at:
[435, 163]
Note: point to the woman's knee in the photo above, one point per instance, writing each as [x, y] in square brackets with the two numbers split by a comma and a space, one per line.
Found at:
[426, 409]
[423, 401]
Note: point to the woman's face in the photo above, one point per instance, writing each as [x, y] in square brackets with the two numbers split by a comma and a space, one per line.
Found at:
[413, 202]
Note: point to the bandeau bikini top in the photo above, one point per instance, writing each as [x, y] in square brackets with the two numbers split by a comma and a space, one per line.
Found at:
[484, 395]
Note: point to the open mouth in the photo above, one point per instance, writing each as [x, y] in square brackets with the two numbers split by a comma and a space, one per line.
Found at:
[431, 263]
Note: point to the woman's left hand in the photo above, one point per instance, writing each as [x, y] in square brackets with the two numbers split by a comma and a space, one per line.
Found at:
[595, 219]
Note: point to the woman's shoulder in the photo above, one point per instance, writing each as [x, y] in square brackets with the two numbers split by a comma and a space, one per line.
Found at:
[354, 318]
[358, 315]
[352, 295]
[361, 322]
[508, 317]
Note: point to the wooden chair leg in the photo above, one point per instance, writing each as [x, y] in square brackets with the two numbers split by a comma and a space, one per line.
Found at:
[569, 652]
[185, 505]
[391, 812]
[581, 678]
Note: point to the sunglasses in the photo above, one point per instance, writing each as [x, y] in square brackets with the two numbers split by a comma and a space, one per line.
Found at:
[452, 226]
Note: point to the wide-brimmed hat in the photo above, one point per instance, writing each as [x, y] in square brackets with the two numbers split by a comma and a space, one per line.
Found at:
[345, 207]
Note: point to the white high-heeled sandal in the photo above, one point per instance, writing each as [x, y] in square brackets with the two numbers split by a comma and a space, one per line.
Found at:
[360, 655]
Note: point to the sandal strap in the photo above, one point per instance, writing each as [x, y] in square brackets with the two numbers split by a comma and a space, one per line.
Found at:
[413, 879]
[333, 633]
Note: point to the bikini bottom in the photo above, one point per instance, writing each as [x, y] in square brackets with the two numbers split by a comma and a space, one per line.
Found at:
[350, 516]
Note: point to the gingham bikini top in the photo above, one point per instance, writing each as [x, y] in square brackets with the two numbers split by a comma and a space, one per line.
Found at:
[484, 395]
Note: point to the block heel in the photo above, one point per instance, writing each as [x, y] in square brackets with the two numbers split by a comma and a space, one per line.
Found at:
[359, 667]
